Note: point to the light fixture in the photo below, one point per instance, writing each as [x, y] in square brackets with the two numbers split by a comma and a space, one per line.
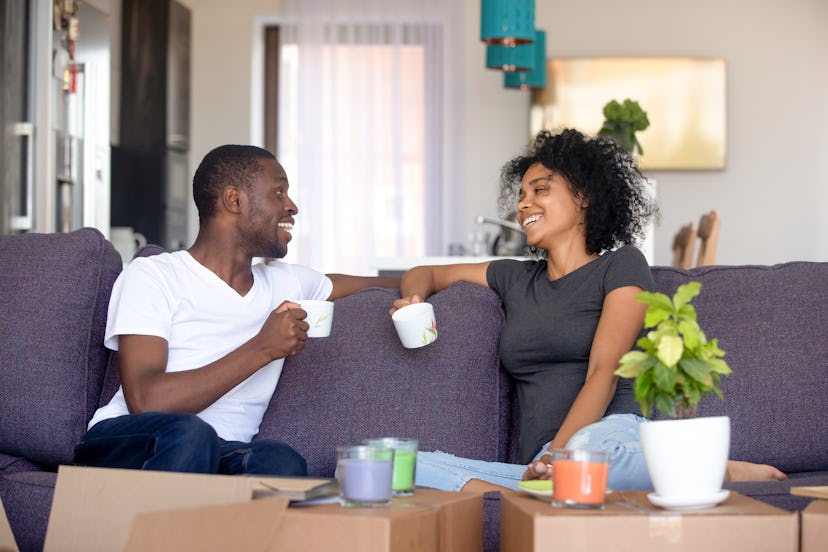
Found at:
[510, 58]
[507, 22]
[536, 77]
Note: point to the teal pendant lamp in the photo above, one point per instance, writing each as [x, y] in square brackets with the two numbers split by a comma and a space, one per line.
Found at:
[510, 58]
[536, 77]
[507, 22]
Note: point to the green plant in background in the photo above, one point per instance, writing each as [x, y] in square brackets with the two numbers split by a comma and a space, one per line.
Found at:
[622, 121]
[677, 364]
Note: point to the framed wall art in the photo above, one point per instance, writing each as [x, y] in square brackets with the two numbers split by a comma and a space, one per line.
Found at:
[685, 101]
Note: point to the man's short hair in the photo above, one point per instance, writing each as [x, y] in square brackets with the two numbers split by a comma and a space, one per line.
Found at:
[228, 165]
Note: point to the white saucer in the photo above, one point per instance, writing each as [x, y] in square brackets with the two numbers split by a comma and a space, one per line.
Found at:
[696, 503]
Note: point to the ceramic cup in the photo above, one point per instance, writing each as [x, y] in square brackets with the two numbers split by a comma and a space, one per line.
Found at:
[320, 316]
[126, 241]
[579, 478]
[405, 462]
[364, 474]
[416, 325]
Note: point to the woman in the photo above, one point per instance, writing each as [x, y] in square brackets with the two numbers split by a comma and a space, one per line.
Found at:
[569, 316]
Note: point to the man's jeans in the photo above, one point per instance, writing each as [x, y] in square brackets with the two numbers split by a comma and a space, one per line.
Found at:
[181, 443]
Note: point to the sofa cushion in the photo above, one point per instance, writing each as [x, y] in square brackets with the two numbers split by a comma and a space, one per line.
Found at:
[360, 382]
[27, 498]
[771, 321]
[11, 464]
[54, 291]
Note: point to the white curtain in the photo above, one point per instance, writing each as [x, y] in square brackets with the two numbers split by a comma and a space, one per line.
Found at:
[367, 112]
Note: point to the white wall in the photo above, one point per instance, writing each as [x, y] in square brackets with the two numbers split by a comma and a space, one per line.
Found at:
[223, 37]
[773, 195]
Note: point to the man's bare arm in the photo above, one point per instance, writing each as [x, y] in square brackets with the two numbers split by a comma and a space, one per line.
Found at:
[149, 388]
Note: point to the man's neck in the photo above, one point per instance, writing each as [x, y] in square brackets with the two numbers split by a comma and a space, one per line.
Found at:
[225, 260]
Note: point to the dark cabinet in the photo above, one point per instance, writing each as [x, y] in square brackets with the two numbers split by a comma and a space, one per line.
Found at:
[150, 164]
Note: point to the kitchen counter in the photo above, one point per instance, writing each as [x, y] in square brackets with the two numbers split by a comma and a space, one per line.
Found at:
[396, 266]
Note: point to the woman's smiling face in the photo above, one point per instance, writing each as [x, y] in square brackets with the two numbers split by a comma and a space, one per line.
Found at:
[547, 207]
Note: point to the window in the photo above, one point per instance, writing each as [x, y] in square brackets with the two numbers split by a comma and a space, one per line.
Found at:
[359, 131]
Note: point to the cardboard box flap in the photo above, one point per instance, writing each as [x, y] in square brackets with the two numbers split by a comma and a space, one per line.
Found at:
[243, 526]
[93, 508]
[7, 542]
[815, 527]
[814, 492]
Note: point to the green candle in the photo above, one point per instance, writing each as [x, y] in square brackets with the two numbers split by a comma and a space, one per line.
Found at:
[404, 463]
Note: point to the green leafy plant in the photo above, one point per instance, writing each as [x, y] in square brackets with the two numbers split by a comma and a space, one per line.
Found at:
[676, 365]
[622, 121]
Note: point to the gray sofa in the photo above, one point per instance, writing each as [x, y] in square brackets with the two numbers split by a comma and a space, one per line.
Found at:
[360, 382]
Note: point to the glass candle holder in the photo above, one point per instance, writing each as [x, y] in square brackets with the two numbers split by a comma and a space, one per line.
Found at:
[405, 462]
[364, 475]
[579, 478]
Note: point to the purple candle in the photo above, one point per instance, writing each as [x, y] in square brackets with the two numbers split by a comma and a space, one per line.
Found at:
[364, 475]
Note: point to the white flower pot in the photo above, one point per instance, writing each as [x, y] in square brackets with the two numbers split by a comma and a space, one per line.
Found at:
[686, 459]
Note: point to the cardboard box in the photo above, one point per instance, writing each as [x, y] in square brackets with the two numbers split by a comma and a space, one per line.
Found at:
[459, 517]
[248, 525]
[7, 542]
[629, 522]
[323, 528]
[108, 509]
[93, 508]
[446, 522]
[814, 523]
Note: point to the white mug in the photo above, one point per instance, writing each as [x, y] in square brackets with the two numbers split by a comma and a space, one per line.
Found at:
[126, 241]
[320, 316]
[416, 325]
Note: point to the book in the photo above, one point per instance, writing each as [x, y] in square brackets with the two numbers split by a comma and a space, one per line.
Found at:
[295, 488]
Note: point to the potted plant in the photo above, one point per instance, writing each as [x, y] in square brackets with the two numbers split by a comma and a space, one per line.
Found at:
[622, 121]
[677, 365]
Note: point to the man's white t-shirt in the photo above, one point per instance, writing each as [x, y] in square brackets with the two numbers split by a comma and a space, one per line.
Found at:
[173, 296]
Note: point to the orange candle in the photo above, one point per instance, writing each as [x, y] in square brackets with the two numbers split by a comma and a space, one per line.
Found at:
[579, 478]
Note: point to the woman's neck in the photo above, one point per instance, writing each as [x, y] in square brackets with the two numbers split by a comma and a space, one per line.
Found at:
[566, 259]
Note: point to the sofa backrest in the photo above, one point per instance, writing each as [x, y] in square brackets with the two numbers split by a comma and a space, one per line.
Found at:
[772, 323]
[54, 293]
[361, 383]
[112, 377]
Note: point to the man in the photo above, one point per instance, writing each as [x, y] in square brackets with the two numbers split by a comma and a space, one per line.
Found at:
[202, 334]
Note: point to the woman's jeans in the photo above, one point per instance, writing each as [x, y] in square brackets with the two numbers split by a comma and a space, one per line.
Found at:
[616, 434]
[181, 443]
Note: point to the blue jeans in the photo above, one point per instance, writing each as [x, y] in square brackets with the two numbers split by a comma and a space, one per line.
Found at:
[616, 434]
[181, 443]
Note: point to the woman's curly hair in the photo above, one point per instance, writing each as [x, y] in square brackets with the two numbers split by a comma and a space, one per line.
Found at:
[597, 170]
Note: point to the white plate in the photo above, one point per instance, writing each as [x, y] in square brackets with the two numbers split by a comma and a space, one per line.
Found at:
[696, 503]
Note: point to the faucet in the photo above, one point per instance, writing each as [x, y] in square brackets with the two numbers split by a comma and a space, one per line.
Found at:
[504, 223]
[510, 241]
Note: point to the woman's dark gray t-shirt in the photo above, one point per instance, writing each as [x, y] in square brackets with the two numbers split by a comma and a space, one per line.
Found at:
[548, 335]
